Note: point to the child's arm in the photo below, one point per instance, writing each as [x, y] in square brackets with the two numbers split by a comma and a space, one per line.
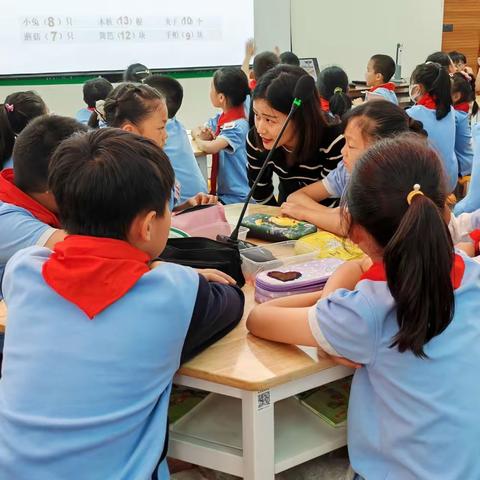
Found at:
[310, 195]
[211, 146]
[325, 218]
[57, 236]
[249, 53]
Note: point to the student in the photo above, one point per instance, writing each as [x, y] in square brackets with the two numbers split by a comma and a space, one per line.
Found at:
[332, 85]
[289, 58]
[178, 147]
[380, 69]
[98, 343]
[262, 62]
[142, 110]
[135, 72]
[225, 134]
[28, 212]
[93, 90]
[308, 150]
[15, 113]
[444, 60]
[462, 96]
[410, 322]
[430, 90]
[364, 126]
[460, 62]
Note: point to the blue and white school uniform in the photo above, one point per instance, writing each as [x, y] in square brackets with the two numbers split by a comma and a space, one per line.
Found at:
[179, 151]
[408, 418]
[336, 181]
[232, 182]
[83, 115]
[386, 93]
[19, 229]
[471, 202]
[88, 398]
[463, 142]
[441, 135]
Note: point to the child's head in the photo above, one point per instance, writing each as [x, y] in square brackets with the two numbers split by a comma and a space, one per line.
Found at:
[380, 69]
[138, 109]
[289, 58]
[15, 113]
[115, 184]
[229, 88]
[96, 89]
[272, 101]
[372, 121]
[407, 232]
[170, 88]
[463, 90]
[332, 85]
[431, 78]
[34, 149]
[458, 59]
[263, 62]
[444, 60]
[135, 72]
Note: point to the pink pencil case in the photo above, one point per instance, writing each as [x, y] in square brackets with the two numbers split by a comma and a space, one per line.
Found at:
[294, 279]
[203, 221]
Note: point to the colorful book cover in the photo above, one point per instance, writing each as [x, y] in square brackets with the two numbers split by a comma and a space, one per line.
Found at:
[330, 401]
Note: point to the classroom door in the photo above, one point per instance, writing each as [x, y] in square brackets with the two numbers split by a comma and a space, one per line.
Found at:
[461, 29]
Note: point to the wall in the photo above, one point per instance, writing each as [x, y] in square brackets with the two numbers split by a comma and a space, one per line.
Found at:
[348, 34]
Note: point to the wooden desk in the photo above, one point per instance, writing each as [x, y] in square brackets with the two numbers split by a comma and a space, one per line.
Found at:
[251, 426]
[402, 92]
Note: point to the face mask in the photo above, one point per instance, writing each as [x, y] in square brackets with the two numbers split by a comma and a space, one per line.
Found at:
[414, 92]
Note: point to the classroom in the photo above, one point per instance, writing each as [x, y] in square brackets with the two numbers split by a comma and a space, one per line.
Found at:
[240, 240]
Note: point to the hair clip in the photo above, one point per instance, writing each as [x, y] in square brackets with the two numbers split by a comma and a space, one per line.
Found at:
[416, 191]
[9, 107]
[338, 90]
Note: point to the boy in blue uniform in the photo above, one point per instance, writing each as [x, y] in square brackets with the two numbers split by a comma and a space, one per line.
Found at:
[107, 323]
[380, 69]
[177, 146]
[93, 90]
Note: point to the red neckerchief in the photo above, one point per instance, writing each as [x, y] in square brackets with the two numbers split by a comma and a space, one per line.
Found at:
[387, 86]
[94, 272]
[428, 101]
[252, 83]
[475, 236]
[376, 272]
[462, 107]
[233, 114]
[10, 193]
[324, 104]
[91, 109]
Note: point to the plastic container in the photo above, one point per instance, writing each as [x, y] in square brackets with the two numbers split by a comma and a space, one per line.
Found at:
[273, 255]
[242, 232]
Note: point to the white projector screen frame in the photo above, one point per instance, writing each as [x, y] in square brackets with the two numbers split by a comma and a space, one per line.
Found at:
[55, 37]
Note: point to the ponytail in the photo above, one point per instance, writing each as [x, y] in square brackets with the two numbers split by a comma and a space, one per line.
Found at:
[340, 103]
[415, 126]
[332, 85]
[437, 82]
[418, 261]
[417, 247]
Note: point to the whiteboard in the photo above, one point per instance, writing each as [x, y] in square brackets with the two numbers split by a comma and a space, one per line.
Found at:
[62, 36]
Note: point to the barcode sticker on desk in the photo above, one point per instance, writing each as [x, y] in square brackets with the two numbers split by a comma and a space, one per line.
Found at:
[263, 399]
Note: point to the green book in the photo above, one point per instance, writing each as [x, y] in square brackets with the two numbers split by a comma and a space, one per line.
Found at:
[330, 401]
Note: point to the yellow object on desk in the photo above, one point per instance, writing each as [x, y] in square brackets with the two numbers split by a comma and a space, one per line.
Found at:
[330, 246]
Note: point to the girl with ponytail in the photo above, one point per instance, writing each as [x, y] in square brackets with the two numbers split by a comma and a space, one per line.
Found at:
[364, 126]
[332, 86]
[408, 321]
[431, 91]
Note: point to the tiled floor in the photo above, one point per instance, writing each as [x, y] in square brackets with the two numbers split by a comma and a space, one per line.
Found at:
[332, 466]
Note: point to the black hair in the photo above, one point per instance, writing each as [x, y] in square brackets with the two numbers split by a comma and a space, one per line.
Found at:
[35, 146]
[130, 102]
[332, 85]
[135, 72]
[417, 246]
[466, 88]
[102, 180]
[383, 119]
[263, 62]
[457, 57]
[96, 89]
[170, 88]
[436, 82]
[233, 83]
[383, 64]
[289, 58]
[440, 57]
[15, 113]
[276, 87]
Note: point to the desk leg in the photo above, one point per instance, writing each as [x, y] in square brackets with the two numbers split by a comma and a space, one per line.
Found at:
[258, 436]
[202, 163]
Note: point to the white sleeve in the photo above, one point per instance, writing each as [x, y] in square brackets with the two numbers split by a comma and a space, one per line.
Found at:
[45, 236]
[460, 227]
